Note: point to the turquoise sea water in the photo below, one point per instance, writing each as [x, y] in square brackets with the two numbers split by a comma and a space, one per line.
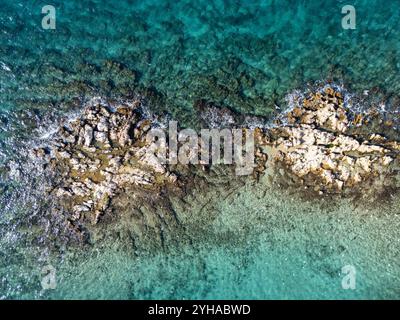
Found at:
[248, 55]
[259, 245]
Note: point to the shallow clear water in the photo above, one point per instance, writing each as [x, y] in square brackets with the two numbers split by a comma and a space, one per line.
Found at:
[247, 55]
[277, 249]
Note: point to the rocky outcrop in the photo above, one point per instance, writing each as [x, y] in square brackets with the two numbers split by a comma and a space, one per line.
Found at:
[100, 153]
[104, 152]
[318, 150]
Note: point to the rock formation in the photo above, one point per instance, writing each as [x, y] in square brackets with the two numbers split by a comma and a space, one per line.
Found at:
[100, 153]
[317, 148]
[104, 152]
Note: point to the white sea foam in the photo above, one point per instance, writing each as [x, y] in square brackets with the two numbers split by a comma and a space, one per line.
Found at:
[5, 67]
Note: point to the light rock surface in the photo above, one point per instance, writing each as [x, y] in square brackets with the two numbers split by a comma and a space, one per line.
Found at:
[98, 156]
[104, 152]
[315, 147]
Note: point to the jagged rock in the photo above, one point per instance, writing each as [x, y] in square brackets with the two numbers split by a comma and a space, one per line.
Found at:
[64, 155]
[102, 126]
[88, 136]
[315, 147]
[95, 169]
[101, 137]
[105, 151]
